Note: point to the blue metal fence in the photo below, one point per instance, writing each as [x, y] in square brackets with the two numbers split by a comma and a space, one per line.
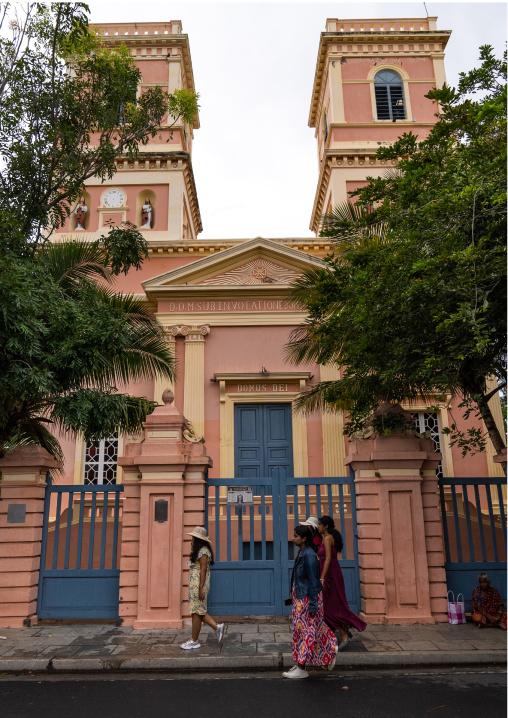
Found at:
[474, 527]
[79, 576]
[253, 544]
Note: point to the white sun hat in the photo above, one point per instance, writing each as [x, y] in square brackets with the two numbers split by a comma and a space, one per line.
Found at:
[200, 533]
[311, 521]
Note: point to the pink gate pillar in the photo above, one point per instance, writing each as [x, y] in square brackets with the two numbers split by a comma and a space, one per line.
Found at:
[21, 513]
[164, 480]
[400, 535]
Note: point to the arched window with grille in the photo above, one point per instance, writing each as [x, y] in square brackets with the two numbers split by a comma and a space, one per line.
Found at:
[389, 96]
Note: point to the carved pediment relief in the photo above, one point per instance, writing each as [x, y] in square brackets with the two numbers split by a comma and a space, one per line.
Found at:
[257, 271]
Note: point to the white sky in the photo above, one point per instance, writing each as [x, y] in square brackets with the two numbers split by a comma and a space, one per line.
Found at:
[254, 157]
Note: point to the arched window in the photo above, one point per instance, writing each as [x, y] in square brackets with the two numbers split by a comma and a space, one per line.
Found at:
[389, 96]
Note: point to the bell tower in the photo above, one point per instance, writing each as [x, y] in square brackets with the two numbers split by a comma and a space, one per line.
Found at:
[156, 191]
[369, 88]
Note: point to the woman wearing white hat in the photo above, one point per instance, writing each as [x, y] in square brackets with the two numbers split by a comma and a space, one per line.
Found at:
[312, 523]
[201, 558]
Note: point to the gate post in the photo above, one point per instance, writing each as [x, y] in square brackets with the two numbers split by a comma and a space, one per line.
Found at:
[21, 511]
[400, 534]
[164, 483]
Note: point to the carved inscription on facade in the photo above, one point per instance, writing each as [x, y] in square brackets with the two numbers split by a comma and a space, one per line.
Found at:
[260, 388]
[258, 305]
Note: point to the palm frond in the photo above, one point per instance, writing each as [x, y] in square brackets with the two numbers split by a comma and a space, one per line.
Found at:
[33, 432]
[350, 223]
[317, 397]
[71, 261]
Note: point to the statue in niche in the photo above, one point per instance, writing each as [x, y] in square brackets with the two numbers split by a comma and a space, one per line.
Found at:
[146, 215]
[80, 213]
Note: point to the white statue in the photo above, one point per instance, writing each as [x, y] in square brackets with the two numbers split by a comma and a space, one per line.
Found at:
[80, 213]
[146, 215]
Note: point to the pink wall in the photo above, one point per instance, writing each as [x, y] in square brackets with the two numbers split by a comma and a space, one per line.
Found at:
[379, 132]
[350, 186]
[423, 109]
[154, 71]
[357, 68]
[357, 103]
[151, 267]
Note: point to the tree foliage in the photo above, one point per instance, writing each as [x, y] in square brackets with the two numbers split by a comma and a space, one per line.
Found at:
[68, 343]
[413, 301]
[69, 107]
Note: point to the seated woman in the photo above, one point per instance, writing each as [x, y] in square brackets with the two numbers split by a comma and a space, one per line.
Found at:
[487, 609]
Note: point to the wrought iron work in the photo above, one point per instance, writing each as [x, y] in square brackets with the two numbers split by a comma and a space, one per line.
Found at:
[426, 421]
[101, 459]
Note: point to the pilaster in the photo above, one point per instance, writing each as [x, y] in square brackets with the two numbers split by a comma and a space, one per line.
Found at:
[161, 383]
[194, 390]
[334, 450]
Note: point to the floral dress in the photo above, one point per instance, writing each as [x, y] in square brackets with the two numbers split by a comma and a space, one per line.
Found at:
[196, 605]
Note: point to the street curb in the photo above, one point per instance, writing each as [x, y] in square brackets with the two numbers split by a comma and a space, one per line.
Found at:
[268, 662]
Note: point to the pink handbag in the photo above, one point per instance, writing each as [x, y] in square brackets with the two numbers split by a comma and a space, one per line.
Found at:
[456, 609]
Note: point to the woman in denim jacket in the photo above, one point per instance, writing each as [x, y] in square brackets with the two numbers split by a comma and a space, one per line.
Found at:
[313, 642]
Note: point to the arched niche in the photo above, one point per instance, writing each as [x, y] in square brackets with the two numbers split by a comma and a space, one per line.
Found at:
[140, 201]
[72, 216]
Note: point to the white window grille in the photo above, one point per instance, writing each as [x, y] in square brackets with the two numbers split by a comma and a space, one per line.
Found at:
[101, 459]
[428, 421]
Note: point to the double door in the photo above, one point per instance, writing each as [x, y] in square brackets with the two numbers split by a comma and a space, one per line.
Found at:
[263, 440]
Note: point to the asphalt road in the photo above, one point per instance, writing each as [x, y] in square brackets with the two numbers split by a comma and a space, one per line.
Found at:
[412, 695]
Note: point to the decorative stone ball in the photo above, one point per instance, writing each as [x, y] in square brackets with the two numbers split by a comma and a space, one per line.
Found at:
[168, 397]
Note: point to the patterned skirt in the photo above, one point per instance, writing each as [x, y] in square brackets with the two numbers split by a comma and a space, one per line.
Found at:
[314, 644]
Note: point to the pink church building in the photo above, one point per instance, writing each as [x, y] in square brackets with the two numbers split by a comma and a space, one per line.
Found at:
[224, 306]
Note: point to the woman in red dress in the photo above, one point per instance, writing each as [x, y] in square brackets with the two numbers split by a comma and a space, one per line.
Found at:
[337, 613]
[487, 608]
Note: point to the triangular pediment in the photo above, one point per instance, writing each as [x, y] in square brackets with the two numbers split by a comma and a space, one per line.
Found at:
[254, 262]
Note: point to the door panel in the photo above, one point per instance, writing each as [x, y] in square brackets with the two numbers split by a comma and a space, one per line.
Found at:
[263, 439]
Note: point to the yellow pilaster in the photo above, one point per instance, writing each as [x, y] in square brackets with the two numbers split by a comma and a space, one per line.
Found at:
[334, 448]
[495, 407]
[194, 389]
[162, 383]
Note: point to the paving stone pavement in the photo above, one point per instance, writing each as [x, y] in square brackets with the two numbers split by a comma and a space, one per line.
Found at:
[246, 645]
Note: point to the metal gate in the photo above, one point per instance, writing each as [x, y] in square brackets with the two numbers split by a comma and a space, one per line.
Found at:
[254, 552]
[474, 528]
[79, 577]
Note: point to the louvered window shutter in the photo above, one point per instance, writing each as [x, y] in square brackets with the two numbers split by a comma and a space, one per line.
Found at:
[389, 96]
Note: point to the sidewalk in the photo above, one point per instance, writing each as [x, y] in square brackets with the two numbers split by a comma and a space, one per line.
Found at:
[255, 645]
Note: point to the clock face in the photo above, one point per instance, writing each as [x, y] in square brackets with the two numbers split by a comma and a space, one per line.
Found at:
[114, 198]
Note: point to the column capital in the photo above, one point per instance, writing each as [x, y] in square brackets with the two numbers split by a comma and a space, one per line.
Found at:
[191, 333]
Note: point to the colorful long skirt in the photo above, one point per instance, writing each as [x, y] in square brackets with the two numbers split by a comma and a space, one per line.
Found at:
[314, 644]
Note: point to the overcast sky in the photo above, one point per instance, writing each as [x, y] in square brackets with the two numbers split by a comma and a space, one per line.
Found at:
[254, 157]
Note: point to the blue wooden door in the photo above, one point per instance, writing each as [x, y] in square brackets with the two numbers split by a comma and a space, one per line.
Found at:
[263, 440]
[247, 571]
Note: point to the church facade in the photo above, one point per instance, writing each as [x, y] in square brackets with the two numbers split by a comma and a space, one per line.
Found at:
[223, 302]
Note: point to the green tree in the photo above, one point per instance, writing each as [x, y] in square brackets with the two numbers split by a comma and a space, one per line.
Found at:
[68, 109]
[412, 303]
[68, 342]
